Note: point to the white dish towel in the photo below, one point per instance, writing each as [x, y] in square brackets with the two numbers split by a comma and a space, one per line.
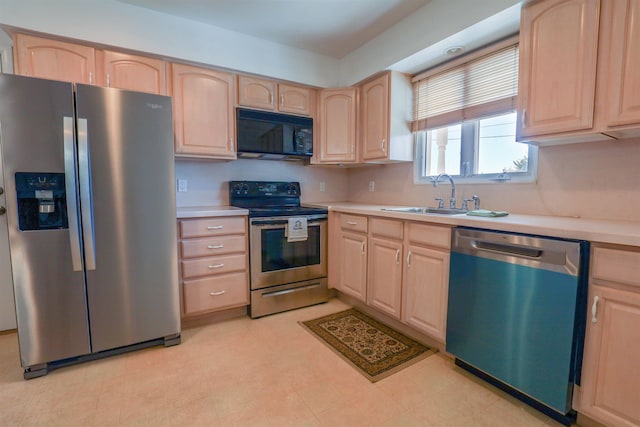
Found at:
[297, 229]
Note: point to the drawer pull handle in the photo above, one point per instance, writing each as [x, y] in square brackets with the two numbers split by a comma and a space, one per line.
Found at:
[211, 267]
[217, 294]
[215, 227]
[594, 309]
[409, 259]
[397, 256]
[215, 246]
[352, 223]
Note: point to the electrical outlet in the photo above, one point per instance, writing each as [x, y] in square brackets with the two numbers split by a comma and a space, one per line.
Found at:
[372, 186]
[182, 185]
[322, 186]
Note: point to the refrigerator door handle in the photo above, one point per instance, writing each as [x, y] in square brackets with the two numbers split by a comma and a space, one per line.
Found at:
[86, 199]
[72, 196]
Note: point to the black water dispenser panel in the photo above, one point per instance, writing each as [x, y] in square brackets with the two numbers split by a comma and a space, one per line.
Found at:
[42, 201]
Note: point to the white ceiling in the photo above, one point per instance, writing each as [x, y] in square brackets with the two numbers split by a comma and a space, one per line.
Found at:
[329, 27]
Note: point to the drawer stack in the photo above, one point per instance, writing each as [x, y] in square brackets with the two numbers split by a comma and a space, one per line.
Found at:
[213, 264]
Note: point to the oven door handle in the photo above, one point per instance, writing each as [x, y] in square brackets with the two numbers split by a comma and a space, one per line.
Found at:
[282, 223]
[290, 291]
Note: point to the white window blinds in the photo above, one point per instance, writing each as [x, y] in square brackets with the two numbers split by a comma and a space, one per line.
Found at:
[483, 86]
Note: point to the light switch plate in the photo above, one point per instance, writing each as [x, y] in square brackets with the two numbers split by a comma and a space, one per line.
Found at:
[182, 185]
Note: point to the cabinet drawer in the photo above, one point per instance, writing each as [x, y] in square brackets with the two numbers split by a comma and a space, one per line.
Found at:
[353, 222]
[213, 265]
[212, 226]
[214, 293]
[615, 265]
[386, 228]
[213, 246]
[431, 235]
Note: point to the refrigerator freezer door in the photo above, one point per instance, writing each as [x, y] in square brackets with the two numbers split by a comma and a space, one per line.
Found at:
[50, 296]
[133, 287]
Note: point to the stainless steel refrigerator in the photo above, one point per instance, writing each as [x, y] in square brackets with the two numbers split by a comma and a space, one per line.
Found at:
[90, 204]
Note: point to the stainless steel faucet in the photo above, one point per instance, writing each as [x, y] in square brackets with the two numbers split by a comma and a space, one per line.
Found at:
[452, 201]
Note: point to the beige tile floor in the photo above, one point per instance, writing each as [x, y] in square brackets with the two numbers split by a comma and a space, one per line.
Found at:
[243, 372]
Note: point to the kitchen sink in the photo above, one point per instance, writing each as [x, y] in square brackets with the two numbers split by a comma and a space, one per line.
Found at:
[441, 211]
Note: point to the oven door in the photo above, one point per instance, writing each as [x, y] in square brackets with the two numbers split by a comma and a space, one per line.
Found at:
[276, 261]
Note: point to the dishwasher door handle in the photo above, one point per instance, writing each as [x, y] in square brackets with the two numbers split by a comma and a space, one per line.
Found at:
[507, 249]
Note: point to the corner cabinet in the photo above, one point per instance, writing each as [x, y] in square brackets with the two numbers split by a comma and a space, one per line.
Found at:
[385, 119]
[213, 264]
[557, 70]
[270, 95]
[53, 59]
[337, 126]
[132, 72]
[611, 364]
[204, 112]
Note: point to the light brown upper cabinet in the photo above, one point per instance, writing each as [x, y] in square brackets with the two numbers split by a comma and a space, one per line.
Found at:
[204, 102]
[578, 67]
[132, 72]
[337, 126]
[53, 59]
[269, 95]
[557, 71]
[623, 118]
[385, 119]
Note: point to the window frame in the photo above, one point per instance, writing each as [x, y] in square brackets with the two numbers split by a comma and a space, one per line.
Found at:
[471, 126]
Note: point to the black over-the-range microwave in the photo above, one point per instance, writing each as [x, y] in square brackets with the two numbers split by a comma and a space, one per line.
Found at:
[266, 135]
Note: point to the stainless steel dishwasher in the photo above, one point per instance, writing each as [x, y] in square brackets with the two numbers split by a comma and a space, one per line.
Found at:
[516, 314]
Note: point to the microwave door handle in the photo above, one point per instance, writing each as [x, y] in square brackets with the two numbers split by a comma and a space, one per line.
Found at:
[71, 186]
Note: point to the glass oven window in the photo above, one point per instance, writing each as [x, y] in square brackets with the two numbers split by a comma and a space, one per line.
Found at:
[278, 254]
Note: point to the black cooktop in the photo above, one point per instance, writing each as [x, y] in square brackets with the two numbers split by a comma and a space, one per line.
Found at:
[269, 198]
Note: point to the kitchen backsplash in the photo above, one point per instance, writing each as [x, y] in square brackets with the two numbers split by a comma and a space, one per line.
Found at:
[207, 181]
[599, 180]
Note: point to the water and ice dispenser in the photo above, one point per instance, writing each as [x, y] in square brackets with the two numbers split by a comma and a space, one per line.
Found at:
[42, 201]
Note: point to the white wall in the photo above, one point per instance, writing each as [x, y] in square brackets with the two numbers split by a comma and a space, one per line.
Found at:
[437, 21]
[118, 24]
[207, 181]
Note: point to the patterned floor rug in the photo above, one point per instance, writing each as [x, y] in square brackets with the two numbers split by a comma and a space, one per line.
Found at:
[376, 350]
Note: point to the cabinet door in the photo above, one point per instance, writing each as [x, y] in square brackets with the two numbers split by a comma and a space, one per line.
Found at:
[55, 60]
[133, 72]
[557, 71]
[337, 125]
[611, 364]
[375, 119]
[425, 290]
[256, 93]
[624, 85]
[296, 99]
[353, 271]
[204, 112]
[384, 290]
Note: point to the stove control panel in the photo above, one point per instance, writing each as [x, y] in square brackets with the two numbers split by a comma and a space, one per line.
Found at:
[263, 189]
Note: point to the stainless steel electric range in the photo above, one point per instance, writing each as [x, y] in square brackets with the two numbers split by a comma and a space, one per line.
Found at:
[288, 246]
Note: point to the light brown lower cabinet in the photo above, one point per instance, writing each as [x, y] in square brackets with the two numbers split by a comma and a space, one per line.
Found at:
[610, 382]
[400, 268]
[213, 264]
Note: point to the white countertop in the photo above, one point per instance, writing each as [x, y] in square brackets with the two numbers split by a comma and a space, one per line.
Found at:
[205, 211]
[594, 230]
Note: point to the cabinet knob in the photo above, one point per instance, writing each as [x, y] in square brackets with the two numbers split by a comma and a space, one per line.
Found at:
[3, 210]
[1, 190]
